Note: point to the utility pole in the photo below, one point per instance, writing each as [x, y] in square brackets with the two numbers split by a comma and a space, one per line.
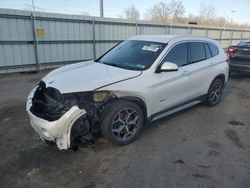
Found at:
[33, 5]
[231, 35]
[101, 8]
[232, 14]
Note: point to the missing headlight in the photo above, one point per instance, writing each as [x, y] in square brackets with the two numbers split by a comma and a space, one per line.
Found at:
[101, 96]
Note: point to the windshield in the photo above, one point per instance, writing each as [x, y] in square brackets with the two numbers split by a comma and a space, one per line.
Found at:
[133, 54]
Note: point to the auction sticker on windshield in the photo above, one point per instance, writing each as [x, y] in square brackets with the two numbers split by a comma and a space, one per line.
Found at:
[151, 48]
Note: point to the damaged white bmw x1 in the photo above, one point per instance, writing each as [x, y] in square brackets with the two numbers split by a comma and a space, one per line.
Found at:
[139, 80]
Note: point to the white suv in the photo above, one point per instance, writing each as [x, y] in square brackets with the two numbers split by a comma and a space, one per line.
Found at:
[139, 80]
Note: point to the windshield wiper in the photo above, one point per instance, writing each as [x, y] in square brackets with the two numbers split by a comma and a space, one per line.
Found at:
[121, 66]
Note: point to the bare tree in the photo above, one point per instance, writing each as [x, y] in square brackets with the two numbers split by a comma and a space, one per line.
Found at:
[164, 12]
[131, 13]
[159, 12]
[207, 14]
[177, 10]
[221, 22]
[173, 12]
[29, 7]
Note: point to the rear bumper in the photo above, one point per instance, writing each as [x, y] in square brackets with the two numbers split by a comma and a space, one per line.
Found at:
[239, 68]
[57, 131]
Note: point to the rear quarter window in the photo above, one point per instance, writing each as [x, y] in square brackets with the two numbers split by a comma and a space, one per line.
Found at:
[213, 49]
[208, 52]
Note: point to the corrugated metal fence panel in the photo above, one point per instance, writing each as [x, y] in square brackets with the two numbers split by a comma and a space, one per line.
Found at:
[16, 38]
[109, 31]
[66, 39]
[173, 30]
[72, 38]
[102, 47]
[149, 30]
[56, 30]
[226, 34]
[56, 53]
[225, 43]
[246, 34]
[235, 42]
[16, 54]
[215, 34]
[199, 32]
[13, 29]
[236, 34]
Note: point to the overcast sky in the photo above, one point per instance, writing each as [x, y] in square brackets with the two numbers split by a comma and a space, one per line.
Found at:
[113, 8]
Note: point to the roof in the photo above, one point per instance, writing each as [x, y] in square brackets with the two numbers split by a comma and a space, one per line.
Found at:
[153, 38]
[245, 41]
[167, 38]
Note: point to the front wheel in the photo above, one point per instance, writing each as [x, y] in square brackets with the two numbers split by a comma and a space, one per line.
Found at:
[122, 122]
[215, 92]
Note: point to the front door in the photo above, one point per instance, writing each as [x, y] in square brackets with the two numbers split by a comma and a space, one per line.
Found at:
[171, 88]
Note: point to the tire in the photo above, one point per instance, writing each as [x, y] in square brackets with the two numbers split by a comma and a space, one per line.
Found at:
[215, 92]
[122, 122]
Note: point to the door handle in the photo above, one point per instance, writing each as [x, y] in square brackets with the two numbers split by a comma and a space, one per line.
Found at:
[185, 72]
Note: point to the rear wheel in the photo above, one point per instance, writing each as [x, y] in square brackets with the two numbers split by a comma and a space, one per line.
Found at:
[215, 92]
[122, 122]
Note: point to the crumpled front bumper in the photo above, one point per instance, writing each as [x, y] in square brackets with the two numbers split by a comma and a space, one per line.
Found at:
[57, 131]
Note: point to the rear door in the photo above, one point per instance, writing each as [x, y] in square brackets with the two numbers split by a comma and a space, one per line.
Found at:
[200, 67]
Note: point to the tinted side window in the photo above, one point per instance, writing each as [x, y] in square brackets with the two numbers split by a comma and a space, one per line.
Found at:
[208, 53]
[197, 52]
[178, 55]
[214, 50]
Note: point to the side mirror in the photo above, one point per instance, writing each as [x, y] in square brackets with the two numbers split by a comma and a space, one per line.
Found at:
[168, 66]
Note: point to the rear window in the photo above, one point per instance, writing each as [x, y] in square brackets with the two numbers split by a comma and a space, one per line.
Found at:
[213, 49]
[197, 52]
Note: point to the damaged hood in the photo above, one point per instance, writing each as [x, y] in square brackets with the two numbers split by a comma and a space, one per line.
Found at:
[86, 76]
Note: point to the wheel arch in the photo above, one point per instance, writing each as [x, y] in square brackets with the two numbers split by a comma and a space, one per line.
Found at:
[220, 76]
[210, 101]
[139, 102]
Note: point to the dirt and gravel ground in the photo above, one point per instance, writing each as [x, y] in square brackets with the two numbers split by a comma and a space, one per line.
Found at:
[198, 147]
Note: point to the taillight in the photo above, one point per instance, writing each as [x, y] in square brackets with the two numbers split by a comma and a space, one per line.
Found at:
[230, 50]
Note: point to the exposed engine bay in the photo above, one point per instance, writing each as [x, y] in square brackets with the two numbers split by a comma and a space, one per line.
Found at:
[49, 104]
